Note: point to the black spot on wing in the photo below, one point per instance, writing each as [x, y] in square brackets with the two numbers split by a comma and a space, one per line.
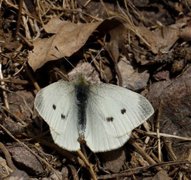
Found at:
[109, 119]
[54, 106]
[123, 111]
[63, 116]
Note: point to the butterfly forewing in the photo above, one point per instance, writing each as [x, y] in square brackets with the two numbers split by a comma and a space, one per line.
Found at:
[56, 105]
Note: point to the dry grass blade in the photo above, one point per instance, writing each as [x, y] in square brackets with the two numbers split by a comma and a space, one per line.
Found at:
[3, 86]
[7, 156]
[150, 133]
[89, 166]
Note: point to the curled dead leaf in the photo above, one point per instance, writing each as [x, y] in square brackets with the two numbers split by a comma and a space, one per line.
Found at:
[68, 38]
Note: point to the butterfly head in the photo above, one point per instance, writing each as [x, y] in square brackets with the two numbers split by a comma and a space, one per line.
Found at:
[82, 80]
[84, 74]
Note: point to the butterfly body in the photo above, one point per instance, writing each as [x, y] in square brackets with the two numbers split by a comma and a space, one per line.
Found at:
[102, 115]
[81, 95]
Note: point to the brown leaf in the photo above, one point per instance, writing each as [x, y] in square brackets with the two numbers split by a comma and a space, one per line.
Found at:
[174, 99]
[131, 78]
[4, 168]
[21, 104]
[26, 160]
[185, 33]
[113, 160]
[68, 38]
[18, 175]
[161, 175]
[160, 40]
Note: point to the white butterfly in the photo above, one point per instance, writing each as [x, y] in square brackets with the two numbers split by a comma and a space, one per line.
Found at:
[101, 115]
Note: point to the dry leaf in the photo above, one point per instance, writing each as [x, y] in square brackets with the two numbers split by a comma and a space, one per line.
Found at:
[113, 160]
[131, 78]
[160, 40]
[68, 39]
[185, 33]
[161, 175]
[174, 99]
[26, 160]
[4, 168]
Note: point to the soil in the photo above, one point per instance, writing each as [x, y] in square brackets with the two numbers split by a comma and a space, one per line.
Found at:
[141, 45]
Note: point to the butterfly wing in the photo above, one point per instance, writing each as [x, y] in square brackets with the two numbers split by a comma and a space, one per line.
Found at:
[112, 113]
[97, 137]
[56, 105]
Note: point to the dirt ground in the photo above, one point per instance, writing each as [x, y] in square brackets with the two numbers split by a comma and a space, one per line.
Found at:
[141, 45]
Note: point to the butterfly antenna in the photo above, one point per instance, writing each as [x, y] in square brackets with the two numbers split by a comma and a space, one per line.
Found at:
[69, 62]
[99, 52]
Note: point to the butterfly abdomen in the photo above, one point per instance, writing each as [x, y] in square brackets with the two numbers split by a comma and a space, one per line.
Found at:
[82, 93]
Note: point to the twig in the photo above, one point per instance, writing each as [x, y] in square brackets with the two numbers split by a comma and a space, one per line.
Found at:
[89, 166]
[4, 89]
[25, 40]
[32, 78]
[87, 2]
[158, 132]
[73, 172]
[22, 67]
[4, 92]
[14, 116]
[140, 170]
[26, 27]
[7, 156]
[170, 151]
[163, 135]
[19, 17]
[10, 4]
[79, 11]
[147, 139]
[15, 81]
[144, 147]
[142, 152]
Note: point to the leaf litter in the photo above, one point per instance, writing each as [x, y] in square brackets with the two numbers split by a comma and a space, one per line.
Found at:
[143, 46]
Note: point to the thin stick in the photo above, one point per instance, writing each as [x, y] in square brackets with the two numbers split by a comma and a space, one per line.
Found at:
[150, 133]
[139, 170]
[158, 132]
[90, 167]
[7, 156]
[19, 17]
[14, 116]
[15, 81]
[142, 152]
[4, 92]
[168, 146]
[147, 139]
[32, 78]
[159, 142]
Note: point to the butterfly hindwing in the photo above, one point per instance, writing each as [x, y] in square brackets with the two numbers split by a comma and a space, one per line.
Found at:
[56, 105]
[96, 135]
